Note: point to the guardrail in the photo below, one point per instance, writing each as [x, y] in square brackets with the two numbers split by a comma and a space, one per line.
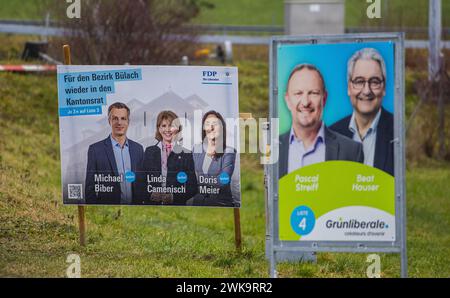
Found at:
[407, 30]
[272, 29]
[260, 40]
[33, 28]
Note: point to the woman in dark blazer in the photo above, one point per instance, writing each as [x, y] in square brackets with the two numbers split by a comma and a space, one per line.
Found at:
[168, 174]
[214, 164]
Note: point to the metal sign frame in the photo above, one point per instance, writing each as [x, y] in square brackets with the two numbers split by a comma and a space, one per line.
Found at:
[274, 245]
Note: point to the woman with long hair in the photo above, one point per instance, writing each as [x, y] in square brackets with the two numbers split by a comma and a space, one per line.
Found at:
[214, 164]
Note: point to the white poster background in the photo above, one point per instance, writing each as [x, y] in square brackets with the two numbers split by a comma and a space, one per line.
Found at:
[182, 89]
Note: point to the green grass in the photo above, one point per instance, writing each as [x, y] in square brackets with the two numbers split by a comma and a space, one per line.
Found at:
[21, 10]
[37, 232]
[408, 13]
[411, 13]
[243, 12]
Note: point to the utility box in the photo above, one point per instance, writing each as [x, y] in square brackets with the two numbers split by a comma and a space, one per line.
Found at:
[314, 17]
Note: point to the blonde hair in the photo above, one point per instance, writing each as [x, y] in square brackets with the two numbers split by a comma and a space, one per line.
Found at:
[164, 115]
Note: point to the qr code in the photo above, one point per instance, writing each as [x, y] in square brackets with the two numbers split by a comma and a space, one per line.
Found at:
[75, 191]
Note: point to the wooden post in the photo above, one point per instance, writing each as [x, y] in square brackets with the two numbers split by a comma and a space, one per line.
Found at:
[435, 64]
[82, 225]
[441, 110]
[81, 209]
[434, 35]
[237, 229]
[237, 213]
[67, 59]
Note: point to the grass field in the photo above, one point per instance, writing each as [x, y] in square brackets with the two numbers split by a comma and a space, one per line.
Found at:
[408, 13]
[250, 12]
[37, 232]
[412, 13]
[21, 9]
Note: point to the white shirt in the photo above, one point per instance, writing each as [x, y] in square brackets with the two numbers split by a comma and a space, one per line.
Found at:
[368, 140]
[163, 169]
[206, 163]
[299, 156]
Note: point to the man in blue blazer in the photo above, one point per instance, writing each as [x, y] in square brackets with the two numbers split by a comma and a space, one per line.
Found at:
[370, 124]
[113, 162]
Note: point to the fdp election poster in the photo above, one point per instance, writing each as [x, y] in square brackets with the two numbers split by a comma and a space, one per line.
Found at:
[336, 108]
[149, 135]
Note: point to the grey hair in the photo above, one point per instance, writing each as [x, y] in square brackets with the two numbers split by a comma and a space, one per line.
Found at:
[365, 54]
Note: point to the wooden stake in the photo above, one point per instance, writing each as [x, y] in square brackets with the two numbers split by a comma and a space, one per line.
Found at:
[237, 213]
[66, 49]
[237, 229]
[82, 225]
[81, 209]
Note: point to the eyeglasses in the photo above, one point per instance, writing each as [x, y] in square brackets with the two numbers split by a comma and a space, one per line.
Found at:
[374, 83]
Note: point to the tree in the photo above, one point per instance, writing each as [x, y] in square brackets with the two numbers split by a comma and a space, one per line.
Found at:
[135, 32]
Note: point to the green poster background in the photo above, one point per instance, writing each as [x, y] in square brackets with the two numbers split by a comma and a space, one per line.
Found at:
[336, 179]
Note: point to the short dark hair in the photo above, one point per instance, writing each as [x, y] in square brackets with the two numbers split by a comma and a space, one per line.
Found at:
[309, 67]
[119, 105]
[224, 130]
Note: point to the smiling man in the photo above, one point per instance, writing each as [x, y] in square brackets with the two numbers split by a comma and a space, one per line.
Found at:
[309, 141]
[110, 160]
[369, 124]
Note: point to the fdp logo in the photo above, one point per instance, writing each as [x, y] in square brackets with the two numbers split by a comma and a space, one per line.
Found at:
[210, 77]
[209, 74]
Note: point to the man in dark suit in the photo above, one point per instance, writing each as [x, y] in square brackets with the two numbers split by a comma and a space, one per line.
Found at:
[309, 141]
[369, 124]
[337, 147]
[113, 162]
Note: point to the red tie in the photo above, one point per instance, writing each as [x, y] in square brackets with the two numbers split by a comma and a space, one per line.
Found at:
[168, 149]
